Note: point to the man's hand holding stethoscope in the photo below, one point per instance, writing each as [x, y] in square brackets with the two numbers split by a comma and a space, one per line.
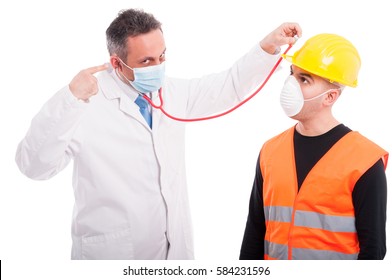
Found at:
[286, 34]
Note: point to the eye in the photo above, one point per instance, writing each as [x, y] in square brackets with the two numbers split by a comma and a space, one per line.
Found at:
[146, 61]
[162, 57]
[303, 80]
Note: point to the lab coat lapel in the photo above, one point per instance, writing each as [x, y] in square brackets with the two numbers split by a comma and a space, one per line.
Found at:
[111, 90]
[131, 109]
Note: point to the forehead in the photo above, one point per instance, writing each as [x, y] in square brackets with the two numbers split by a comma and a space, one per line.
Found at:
[303, 73]
[148, 44]
[298, 70]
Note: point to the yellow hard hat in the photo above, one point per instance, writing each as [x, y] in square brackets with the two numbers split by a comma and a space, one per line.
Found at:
[329, 56]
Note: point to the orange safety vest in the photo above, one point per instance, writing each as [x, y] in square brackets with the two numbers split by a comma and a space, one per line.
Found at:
[318, 222]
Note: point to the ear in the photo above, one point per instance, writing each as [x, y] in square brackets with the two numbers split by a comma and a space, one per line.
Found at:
[115, 62]
[332, 96]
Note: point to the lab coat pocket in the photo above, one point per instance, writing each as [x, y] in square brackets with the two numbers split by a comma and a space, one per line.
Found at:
[116, 245]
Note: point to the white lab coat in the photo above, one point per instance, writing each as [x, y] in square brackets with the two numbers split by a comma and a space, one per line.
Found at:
[129, 181]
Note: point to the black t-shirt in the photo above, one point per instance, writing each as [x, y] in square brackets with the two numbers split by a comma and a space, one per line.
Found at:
[369, 198]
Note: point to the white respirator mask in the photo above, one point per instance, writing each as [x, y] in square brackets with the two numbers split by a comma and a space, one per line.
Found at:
[291, 97]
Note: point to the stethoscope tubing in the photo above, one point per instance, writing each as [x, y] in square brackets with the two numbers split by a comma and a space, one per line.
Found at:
[160, 107]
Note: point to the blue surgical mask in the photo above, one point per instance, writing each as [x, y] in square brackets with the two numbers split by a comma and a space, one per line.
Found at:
[147, 79]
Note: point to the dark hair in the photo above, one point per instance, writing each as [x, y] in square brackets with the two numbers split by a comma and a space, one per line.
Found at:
[128, 23]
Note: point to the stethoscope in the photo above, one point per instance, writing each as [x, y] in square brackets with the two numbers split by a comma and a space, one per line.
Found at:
[160, 107]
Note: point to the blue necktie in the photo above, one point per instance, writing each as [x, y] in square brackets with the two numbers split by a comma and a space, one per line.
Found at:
[144, 110]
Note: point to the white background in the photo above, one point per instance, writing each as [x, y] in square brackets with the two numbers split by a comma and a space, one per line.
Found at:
[45, 43]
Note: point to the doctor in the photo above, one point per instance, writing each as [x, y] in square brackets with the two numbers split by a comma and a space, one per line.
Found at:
[129, 182]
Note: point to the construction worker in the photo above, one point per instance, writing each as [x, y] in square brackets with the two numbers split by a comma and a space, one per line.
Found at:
[320, 188]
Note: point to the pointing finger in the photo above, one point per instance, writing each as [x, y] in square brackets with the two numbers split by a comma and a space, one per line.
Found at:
[99, 68]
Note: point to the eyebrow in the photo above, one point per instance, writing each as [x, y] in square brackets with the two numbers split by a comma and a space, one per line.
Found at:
[306, 75]
[150, 57]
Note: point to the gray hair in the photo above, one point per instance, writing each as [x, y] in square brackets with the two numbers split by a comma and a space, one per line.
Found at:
[128, 23]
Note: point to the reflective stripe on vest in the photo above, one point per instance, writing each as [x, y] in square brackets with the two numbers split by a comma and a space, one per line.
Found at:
[280, 252]
[318, 222]
[310, 219]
